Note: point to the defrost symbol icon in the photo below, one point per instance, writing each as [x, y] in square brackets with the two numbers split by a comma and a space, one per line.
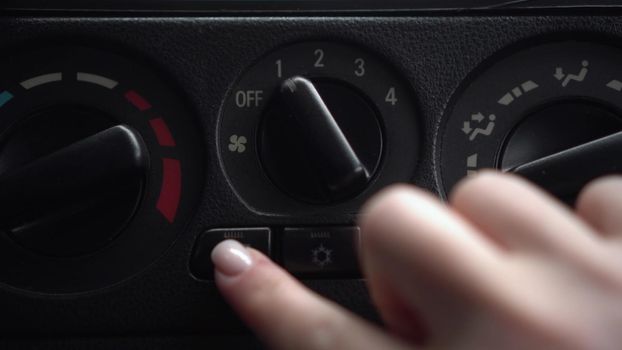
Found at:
[322, 256]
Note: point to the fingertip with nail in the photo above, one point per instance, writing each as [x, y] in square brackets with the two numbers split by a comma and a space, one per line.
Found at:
[231, 258]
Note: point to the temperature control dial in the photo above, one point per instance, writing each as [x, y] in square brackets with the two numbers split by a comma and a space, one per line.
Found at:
[100, 168]
[317, 123]
[89, 177]
[551, 113]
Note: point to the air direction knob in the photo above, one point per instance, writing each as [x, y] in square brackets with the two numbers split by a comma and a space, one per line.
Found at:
[563, 146]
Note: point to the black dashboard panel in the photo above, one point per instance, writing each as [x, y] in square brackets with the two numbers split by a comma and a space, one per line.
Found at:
[294, 7]
[202, 58]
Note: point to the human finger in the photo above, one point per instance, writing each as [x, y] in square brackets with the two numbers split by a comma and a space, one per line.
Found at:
[417, 253]
[600, 204]
[522, 217]
[284, 313]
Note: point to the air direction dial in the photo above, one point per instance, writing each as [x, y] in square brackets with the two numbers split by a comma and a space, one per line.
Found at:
[550, 113]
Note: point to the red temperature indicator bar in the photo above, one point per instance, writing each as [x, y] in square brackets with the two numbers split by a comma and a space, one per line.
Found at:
[162, 132]
[170, 193]
[137, 100]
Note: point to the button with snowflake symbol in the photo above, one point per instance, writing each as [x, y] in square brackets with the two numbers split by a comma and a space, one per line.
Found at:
[321, 251]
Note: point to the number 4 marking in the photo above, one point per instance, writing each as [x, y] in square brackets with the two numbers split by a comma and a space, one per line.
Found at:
[391, 98]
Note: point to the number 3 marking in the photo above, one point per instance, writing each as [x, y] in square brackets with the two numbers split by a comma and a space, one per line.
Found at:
[360, 67]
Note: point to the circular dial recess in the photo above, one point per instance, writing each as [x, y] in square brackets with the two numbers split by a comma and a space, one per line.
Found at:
[551, 113]
[317, 124]
[99, 169]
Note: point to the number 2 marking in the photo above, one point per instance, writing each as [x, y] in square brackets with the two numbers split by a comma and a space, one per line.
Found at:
[319, 53]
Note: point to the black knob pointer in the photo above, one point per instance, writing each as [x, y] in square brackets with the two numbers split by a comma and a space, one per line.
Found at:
[332, 155]
[320, 140]
[565, 172]
[75, 199]
[563, 146]
[89, 167]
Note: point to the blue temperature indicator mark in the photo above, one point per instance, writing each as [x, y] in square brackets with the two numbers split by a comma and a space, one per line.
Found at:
[5, 97]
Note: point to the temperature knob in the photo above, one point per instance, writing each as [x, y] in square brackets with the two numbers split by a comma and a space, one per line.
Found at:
[72, 193]
[100, 169]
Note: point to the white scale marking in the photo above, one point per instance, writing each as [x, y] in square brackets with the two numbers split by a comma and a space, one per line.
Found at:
[41, 80]
[97, 80]
[517, 92]
[529, 86]
[616, 85]
[472, 164]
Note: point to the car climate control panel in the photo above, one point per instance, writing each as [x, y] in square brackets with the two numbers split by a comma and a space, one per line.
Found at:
[131, 145]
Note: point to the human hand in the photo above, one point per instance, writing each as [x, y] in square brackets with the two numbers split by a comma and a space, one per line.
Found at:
[501, 266]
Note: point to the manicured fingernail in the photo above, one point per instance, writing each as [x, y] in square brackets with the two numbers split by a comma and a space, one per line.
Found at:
[231, 258]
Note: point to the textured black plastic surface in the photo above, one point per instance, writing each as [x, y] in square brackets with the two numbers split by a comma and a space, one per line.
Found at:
[202, 57]
[299, 5]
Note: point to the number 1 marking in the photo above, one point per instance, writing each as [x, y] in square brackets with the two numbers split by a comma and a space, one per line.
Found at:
[279, 68]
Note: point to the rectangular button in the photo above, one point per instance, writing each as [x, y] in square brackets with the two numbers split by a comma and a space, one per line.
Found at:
[201, 263]
[321, 250]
